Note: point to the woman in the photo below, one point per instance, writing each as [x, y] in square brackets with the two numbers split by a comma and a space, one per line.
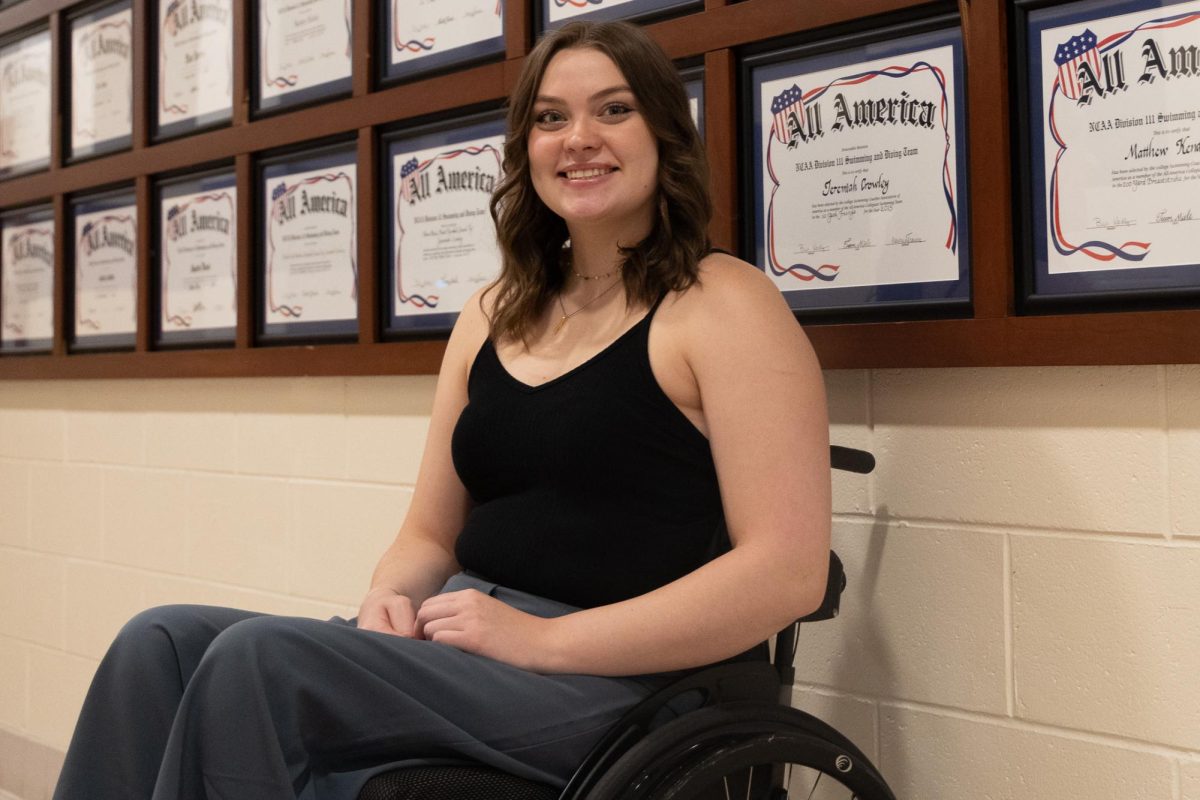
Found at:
[626, 475]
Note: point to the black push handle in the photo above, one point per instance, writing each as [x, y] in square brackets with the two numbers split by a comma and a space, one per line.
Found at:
[851, 460]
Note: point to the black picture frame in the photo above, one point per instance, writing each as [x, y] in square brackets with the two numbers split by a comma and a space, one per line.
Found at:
[888, 301]
[336, 155]
[319, 93]
[32, 215]
[449, 132]
[83, 15]
[158, 130]
[121, 197]
[481, 51]
[215, 180]
[1038, 290]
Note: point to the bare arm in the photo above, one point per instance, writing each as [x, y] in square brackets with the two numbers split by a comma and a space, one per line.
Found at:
[763, 404]
[421, 558]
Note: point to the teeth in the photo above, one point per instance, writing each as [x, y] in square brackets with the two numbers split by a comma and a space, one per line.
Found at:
[577, 174]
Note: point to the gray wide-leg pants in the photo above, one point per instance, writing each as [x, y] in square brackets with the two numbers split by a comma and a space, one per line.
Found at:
[199, 702]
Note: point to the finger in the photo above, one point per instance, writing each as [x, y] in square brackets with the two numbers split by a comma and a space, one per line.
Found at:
[400, 619]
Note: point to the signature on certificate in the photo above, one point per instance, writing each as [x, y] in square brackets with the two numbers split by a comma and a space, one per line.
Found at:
[1165, 217]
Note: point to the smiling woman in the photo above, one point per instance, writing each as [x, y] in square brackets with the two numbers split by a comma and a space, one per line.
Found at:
[590, 515]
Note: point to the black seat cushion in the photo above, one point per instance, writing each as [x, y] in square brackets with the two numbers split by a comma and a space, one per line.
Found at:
[453, 783]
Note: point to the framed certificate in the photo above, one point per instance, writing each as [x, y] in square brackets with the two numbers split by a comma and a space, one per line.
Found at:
[27, 280]
[1110, 153]
[425, 35]
[556, 13]
[303, 52]
[441, 237]
[196, 243]
[309, 245]
[104, 274]
[194, 76]
[858, 178]
[101, 70]
[693, 84]
[25, 103]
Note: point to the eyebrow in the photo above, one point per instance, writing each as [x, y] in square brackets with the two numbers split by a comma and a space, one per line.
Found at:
[544, 98]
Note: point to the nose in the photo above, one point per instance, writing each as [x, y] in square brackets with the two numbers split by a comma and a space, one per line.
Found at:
[583, 135]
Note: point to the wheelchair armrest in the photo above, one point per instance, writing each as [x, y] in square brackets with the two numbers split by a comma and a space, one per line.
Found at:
[833, 592]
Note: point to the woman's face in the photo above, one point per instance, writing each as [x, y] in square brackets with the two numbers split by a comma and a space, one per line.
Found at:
[592, 158]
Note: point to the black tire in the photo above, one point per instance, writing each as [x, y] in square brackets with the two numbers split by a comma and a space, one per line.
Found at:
[675, 761]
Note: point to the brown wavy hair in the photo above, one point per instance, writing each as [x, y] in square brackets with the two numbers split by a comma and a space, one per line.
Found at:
[532, 237]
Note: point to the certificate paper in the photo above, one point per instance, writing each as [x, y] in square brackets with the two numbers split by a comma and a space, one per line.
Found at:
[1119, 162]
[859, 175]
[443, 238]
[195, 63]
[310, 241]
[197, 239]
[25, 104]
[105, 272]
[425, 34]
[101, 80]
[27, 285]
[303, 44]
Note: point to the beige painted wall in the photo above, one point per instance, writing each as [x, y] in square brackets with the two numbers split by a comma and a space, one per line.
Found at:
[1022, 621]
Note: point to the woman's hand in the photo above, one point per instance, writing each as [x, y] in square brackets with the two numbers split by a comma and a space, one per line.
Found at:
[387, 611]
[478, 623]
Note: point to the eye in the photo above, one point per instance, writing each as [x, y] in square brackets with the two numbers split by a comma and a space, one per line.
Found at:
[616, 110]
[549, 119]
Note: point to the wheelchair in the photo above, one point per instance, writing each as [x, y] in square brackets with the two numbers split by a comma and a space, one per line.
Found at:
[738, 737]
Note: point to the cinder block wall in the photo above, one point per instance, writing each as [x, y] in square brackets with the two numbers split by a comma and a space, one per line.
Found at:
[1022, 621]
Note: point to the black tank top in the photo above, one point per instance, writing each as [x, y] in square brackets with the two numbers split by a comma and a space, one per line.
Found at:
[590, 488]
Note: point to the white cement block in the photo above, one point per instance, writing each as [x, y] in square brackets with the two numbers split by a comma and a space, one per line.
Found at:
[1074, 448]
[1106, 637]
[931, 756]
[1183, 433]
[854, 718]
[846, 393]
[14, 683]
[32, 433]
[1189, 773]
[14, 503]
[31, 596]
[191, 440]
[145, 519]
[58, 682]
[237, 530]
[922, 618]
[100, 600]
[338, 534]
[106, 437]
[66, 502]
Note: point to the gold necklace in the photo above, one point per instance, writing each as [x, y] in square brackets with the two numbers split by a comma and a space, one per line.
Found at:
[565, 316]
[608, 274]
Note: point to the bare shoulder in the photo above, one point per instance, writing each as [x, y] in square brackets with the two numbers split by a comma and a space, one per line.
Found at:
[470, 329]
[735, 309]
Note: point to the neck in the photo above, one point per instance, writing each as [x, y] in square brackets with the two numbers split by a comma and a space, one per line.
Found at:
[595, 251]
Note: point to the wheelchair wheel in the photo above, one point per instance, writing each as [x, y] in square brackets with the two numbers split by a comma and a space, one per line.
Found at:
[747, 752]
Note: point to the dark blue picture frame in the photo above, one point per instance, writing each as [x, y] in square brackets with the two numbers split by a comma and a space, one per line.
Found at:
[920, 299]
[341, 154]
[491, 49]
[104, 146]
[159, 131]
[328, 90]
[1042, 292]
[117, 198]
[693, 84]
[166, 191]
[26, 216]
[444, 133]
